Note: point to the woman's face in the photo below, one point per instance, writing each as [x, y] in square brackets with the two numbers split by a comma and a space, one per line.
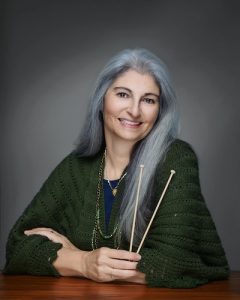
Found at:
[131, 106]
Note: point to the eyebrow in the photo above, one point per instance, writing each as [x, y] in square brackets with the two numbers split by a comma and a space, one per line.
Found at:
[122, 87]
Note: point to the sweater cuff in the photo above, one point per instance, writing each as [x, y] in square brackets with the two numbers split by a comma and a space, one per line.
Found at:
[34, 256]
[161, 271]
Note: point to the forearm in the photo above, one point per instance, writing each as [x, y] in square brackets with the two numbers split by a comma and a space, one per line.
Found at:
[31, 255]
[70, 262]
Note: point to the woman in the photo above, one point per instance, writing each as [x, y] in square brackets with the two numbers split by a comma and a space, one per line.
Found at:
[79, 223]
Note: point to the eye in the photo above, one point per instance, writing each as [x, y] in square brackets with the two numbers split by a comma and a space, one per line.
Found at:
[149, 100]
[122, 95]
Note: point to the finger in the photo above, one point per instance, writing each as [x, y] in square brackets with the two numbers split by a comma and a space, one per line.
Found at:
[123, 264]
[123, 254]
[50, 235]
[40, 229]
[44, 231]
[122, 274]
[40, 232]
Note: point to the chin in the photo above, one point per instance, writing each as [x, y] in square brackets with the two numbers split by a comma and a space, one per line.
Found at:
[130, 138]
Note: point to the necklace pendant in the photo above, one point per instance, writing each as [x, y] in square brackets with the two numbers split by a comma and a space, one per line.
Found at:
[114, 192]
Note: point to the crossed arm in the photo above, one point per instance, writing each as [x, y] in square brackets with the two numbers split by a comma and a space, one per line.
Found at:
[101, 265]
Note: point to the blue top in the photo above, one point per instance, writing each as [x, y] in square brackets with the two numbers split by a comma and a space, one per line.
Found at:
[108, 198]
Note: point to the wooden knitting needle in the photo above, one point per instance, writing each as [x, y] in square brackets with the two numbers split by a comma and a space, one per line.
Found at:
[155, 211]
[136, 205]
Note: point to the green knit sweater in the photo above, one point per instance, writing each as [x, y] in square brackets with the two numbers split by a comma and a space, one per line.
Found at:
[182, 249]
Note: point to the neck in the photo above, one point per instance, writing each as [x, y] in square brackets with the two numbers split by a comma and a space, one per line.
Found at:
[117, 158]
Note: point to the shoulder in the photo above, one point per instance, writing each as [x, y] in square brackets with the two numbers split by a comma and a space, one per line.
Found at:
[73, 159]
[181, 157]
[70, 166]
[76, 166]
[85, 161]
[180, 151]
[179, 148]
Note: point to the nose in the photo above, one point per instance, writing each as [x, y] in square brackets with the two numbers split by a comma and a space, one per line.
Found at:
[134, 109]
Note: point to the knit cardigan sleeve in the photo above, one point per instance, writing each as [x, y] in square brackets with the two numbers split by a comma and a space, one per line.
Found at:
[35, 254]
[183, 249]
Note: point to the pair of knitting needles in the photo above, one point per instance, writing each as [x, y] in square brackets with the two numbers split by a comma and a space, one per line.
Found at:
[154, 213]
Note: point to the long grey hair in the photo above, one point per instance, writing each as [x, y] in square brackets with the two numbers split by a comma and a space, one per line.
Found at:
[151, 150]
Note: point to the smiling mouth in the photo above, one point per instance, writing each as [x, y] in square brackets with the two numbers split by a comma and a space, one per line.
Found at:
[129, 123]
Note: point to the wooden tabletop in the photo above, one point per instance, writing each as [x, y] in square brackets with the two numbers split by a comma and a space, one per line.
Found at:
[40, 287]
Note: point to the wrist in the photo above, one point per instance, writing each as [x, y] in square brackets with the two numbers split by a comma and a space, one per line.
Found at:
[70, 262]
[79, 263]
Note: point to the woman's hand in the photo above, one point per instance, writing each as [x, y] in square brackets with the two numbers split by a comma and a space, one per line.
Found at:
[105, 264]
[52, 235]
[101, 265]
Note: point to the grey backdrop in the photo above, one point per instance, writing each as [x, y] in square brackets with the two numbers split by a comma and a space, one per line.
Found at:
[52, 53]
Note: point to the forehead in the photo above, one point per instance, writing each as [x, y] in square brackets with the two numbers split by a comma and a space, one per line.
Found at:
[137, 81]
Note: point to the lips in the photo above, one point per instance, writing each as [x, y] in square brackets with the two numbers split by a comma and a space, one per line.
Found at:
[129, 123]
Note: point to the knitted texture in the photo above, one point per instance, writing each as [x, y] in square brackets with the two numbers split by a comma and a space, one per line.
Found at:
[182, 249]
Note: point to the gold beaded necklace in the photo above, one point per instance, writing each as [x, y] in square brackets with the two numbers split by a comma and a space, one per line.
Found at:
[114, 190]
[97, 228]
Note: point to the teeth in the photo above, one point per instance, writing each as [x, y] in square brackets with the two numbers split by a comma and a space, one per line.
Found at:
[129, 122]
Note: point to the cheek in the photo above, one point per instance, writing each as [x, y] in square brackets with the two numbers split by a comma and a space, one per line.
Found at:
[107, 104]
[112, 108]
[153, 116]
[109, 113]
[107, 109]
